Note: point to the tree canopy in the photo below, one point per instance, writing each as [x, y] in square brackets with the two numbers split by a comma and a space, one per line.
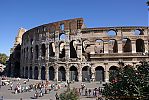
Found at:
[3, 58]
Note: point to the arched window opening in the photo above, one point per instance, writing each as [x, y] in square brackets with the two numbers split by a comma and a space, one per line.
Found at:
[99, 47]
[36, 48]
[61, 74]
[62, 50]
[140, 45]
[62, 36]
[113, 72]
[112, 33]
[85, 44]
[31, 53]
[36, 72]
[138, 32]
[26, 72]
[86, 73]
[43, 49]
[113, 47]
[31, 42]
[30, 72]
[52, 49]
[73, 73]
[43, 72]
[73, 49]
[127, 47]
[62, 27]
[99, 73]
[51, 73]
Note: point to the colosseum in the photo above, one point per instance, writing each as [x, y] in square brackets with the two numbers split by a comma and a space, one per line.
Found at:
[69, 51]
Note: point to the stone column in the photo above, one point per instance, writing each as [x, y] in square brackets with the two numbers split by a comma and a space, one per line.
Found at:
[29, 72]
[133, 46]
[80, 74]
[33, 72]
[67, 74]
[56, 74]
[93, 73]
[39, 73]
[106, 73]
[146, 46]
[106, 48]
[120, 48]
[47, 72]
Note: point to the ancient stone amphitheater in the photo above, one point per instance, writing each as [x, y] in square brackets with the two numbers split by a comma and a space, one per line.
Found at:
[69, 51]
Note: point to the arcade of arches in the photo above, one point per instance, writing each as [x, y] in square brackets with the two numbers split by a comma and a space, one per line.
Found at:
[87, 73]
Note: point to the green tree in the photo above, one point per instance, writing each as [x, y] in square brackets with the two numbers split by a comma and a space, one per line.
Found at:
[3, 58]
[129, 82]
[70, 95]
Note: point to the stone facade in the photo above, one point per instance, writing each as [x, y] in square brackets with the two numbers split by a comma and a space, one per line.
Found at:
[68, 51]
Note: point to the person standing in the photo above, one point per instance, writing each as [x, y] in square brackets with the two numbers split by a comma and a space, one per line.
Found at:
[56, 96]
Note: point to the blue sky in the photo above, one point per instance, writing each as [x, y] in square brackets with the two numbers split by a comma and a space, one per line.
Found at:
[96, 13]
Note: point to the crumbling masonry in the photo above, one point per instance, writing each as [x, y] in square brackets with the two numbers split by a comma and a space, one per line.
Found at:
[67, 50]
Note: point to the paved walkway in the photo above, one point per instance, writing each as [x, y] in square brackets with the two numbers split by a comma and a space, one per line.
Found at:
[9, 94]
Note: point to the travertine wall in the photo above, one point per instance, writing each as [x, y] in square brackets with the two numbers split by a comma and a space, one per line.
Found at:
[66, 50]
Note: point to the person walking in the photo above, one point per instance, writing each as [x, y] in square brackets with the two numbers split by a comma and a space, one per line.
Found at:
[56, 96]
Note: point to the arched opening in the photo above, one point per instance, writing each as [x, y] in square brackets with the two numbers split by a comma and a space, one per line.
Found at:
[112, 33]
[31, 42]
[31, 53]
[86, 73]
[36, 48]
[140, 45]
[52, 50]
[138, 32]
[73, 73]
[127, 47]
[36, 72]
[26, 72]
[22, 72]
[73, 49]
[62, 37]
[30, 72]
[99, 76]
[85, 44]
[43, 72]
[61, 74]
[62, 50]
[99, 46]
[27, 54]
[113, 47]
[43, 50]
[113, 72]
[51, 73]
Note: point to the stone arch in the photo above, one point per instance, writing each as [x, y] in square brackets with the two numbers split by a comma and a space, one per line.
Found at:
[127, 47]
[99, 73]
[36, 52]
[51, 73]
[73, 49]
[85, 44]
[36, 72]
[138, 32]
[43, 50]
[30, 72]
[61, 74]
[113, 72]
[52, 49]
[99, 46]
[113, 46]
[62, 37]
[26, 72]
[86, 73]
[31, 53]
[43, 73]
[73, 73]
[112, 32]
[61, 50]
[140, 45]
